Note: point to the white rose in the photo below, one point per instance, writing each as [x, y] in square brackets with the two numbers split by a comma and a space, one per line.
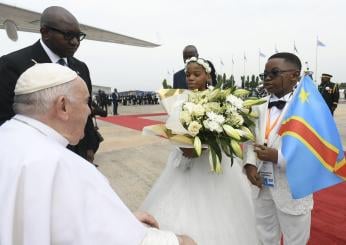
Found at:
[198, 110]
[194, 128]
[188, 106]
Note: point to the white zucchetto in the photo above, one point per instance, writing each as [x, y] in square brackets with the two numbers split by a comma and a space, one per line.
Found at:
[42, 76]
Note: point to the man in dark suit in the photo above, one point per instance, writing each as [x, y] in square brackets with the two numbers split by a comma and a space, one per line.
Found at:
[329, 91]
[60, 39]
[115, 97]
[179, 78]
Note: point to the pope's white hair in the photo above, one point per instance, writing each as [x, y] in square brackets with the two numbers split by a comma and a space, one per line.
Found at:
[40, 102]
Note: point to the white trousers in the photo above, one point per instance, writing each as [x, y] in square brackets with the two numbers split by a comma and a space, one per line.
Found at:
[271, 223]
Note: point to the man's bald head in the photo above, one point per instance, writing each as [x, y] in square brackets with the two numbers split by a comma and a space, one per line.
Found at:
[55, 15]
[189, 51]
[60, 31]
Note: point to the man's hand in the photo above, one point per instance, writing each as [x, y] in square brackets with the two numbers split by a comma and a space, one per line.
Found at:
[253, 175]
[265, 153]
[146, 218]
[185, 240]
[90, 155]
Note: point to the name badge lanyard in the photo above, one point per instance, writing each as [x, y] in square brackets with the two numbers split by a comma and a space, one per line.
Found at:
[269, 126]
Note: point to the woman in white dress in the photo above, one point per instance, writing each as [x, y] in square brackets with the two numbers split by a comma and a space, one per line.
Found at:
[188, 198]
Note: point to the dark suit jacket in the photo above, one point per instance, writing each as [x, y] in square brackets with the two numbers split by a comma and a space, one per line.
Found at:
[179, 79]
[14, 64]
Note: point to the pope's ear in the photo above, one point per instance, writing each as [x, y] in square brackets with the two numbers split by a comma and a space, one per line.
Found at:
[61, 107]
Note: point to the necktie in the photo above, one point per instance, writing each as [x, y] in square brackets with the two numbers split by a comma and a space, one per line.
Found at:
[280, 104]
[62, 62]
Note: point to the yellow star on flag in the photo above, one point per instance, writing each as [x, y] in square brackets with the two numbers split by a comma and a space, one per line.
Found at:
[303, 96]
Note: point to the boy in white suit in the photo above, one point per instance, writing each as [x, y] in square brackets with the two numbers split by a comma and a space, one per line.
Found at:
[277, 213]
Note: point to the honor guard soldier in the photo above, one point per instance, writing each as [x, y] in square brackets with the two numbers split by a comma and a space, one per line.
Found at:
[329, 91]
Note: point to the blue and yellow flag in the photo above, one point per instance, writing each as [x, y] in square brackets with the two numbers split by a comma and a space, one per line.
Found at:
[311, 143]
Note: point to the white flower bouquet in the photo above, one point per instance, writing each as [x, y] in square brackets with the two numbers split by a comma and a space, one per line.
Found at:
[214, 118]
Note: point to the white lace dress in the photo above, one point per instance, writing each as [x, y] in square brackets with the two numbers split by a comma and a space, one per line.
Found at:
[212, 209]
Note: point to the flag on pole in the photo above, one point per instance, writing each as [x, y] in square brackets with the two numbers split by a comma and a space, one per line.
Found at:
[245, 59]
[295, 48]
[311, 143]
[221, 62]
[320, 44]
[261, 54]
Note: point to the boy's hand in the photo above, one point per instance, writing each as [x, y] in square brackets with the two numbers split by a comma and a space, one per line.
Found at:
[265, 153]
[253, 175]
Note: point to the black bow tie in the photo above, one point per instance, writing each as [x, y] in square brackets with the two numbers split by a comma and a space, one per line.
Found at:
[62, 62]
[280, 104]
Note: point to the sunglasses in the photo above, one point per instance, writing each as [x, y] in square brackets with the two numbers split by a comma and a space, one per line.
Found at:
[273, 73]
[69, 35]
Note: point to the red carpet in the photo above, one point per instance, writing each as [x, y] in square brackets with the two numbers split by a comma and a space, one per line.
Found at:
[329, 213]
[329, 217]
[133, 121]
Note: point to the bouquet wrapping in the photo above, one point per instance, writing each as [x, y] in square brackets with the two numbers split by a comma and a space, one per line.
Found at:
[215, 119]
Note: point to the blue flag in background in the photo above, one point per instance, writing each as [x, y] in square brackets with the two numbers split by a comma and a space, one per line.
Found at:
[311, 143]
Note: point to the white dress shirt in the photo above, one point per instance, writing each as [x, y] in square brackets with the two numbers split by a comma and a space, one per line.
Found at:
[52, 56]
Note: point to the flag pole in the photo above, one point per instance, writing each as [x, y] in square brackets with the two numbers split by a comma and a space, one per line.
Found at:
[316, 60]
[232, 66]
[244, 67]
[259, 62]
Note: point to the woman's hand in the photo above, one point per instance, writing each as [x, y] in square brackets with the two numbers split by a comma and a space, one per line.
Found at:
[189, 152]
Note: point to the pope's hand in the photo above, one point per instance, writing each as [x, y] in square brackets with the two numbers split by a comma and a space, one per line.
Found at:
[186, 240]
[146, 218]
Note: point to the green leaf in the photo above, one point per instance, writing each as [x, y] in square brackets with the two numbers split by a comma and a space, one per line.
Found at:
[219, 84]
[214, 161]
[225, 145]
[215, 146]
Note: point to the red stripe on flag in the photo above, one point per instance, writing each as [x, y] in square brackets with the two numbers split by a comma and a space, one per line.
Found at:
[341, 171]
[341, 168]
[327, 154]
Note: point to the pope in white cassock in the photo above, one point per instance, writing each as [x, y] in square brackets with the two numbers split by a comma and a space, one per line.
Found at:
[48, 194]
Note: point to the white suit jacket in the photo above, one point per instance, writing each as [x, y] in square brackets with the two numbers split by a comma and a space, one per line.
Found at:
[281, 193]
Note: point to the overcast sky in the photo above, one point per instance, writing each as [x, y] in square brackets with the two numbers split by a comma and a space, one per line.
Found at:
[219, 29]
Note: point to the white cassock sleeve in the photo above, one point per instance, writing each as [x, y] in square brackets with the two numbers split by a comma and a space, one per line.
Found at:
[158, 237]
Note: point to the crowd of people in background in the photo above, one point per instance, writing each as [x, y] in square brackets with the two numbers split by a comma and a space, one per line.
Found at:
[103, 100]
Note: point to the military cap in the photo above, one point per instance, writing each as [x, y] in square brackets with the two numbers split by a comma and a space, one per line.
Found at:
[326, 75]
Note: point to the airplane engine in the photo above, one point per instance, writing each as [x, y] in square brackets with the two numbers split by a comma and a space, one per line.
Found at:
[11, 30]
